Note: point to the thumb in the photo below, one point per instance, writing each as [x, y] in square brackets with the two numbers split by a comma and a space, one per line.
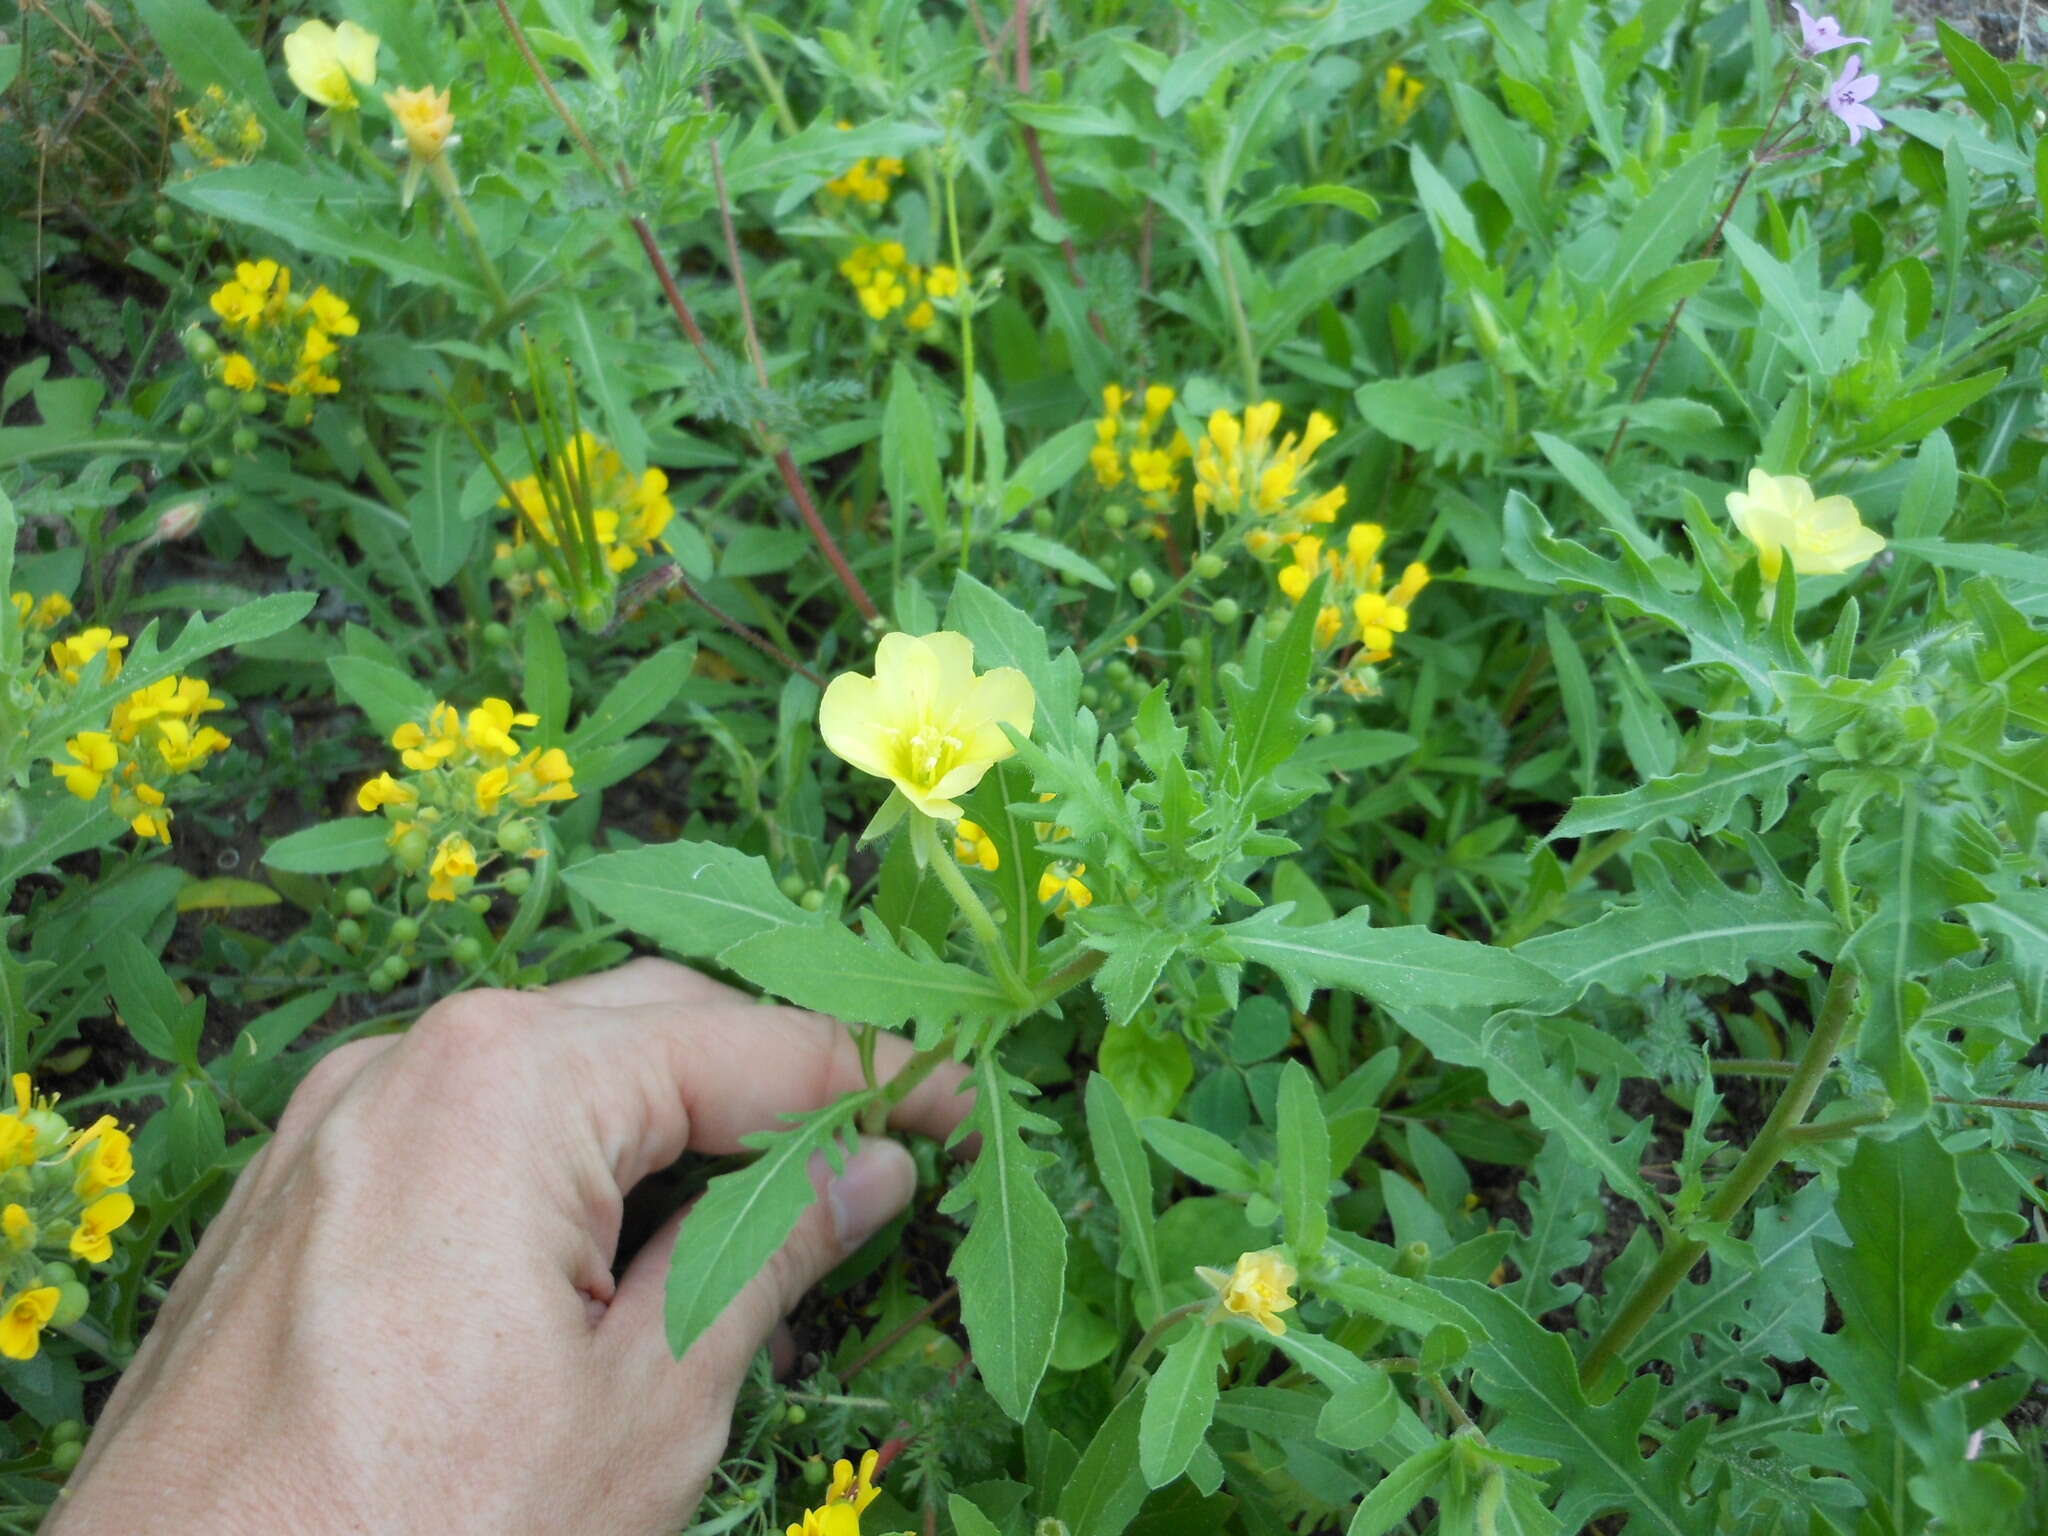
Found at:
[874, 1184]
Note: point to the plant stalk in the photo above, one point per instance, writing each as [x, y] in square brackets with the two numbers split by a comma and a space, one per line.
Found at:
[1772, 1143]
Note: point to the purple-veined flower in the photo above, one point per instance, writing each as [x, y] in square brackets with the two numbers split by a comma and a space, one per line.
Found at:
[1821, 34]
[1848, 96]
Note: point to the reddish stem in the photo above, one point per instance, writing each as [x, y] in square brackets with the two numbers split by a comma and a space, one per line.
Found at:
[1022, 16]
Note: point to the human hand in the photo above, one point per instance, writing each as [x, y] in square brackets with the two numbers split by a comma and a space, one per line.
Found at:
[405, 1317]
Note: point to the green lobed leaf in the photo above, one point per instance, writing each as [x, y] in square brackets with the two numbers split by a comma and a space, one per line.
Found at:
[859, 980]
[1705, 800]
[744, 1216]
[693, 899]
[1397, 967]
[1710, 623]
[1686, 924]
[1527, 1374]
[1011, 1267]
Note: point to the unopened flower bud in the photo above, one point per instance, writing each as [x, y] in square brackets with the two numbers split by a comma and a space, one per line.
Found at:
[72, 1300]
[177, 522]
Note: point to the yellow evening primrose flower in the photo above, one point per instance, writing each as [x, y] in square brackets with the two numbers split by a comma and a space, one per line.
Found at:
[323, 60]
[93, 1241]
[1780, 516]
[971, 845]
[22, 1324]
[1257, 1288]
[925, 721]
[454, 859]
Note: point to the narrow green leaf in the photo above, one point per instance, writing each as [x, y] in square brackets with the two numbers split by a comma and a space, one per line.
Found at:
[1201, 1155]
[1107, 1486]
[332, 847]
[1388, 1501]
[860, 981]
[1126, 1176]
[1304, 1164]
[1180, 1400]
[910, 452]
[546, 667]
[387, 696]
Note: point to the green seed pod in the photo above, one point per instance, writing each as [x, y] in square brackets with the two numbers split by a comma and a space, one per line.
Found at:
[57, 1272]
[1322, 725]
[51, 1130]
[298, 411]
[497, 636]
[478, 903]
[1090, 695]
[1209, 567]
[405, 930]
[792, 885]
[410, 852]
[72, 1300]
[1118, 671]
[1143, 584]
[812, 900]
[467, 950]
[66, 1429]
[1192, 650]
[218, 400]
[64, 1455]
[515, 837]
[200, 345]
[162, 243]
[816, 1472]
[358, 900]
[794, 1414]
[1225, 610]
[556, 607]
[348, 933]
[251, 402]
[245, 441]
[526, 558]
[220, 466]
[1042, 519]
[191, 419]
[517, 881]
[163, 213]
[1116, 515]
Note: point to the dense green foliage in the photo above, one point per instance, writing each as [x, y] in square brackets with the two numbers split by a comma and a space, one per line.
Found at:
[1593, 934]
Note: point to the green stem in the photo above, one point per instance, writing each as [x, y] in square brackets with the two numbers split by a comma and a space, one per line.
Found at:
[1113, 636]
[443, 177]
[875, 1118]
[1068, 977]
[1134, 1367]
[763, 76]
[1247, 355]
[968, 499]
[1772, 1143]
[924, 834]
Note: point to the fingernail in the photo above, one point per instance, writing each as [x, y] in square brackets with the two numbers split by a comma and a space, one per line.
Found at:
[876, 1183]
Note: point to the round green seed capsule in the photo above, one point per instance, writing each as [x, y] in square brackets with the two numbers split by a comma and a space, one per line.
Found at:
[1322, 725]
[518, 881]
[66, 1429]
[1209, 567]
[1143, 584]
[348, 933]
[812, 900]
[64, 1456]
[1225, 610]
[496, 635]
[358, 900]
[467, 950]
[1116, 515]
[405, 930]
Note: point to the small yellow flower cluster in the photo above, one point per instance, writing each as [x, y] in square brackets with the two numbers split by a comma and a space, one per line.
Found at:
[1127, 451]
[1060, 882]
[326, 63]
[885, 279]
[1240, 470]
[971, 845]
[220, 130]
[868, 181]
[1400, 96]
[583, 494]
[1357, 581]
[62, 1198]
[285, 340]
[468, 779]
[848, 1496]
[153, 735]
[1258, 1288]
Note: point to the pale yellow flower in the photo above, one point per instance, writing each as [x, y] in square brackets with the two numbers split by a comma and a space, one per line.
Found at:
[109, 1160]
[972, 845]
[454, 859]
[384, 790]
[95, 755]
[323, 60]
[1780, 516]
[426, 126]
[1258, 1288]
[22, 1324]
[925, 721]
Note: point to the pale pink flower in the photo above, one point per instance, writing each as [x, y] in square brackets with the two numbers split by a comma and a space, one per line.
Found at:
[1821, 34]
[1847, 96]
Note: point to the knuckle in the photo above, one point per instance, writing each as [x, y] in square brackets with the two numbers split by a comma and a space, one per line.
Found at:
[471, 1024]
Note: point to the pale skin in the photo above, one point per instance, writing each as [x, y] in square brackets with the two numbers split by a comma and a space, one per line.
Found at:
[405, 1316]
